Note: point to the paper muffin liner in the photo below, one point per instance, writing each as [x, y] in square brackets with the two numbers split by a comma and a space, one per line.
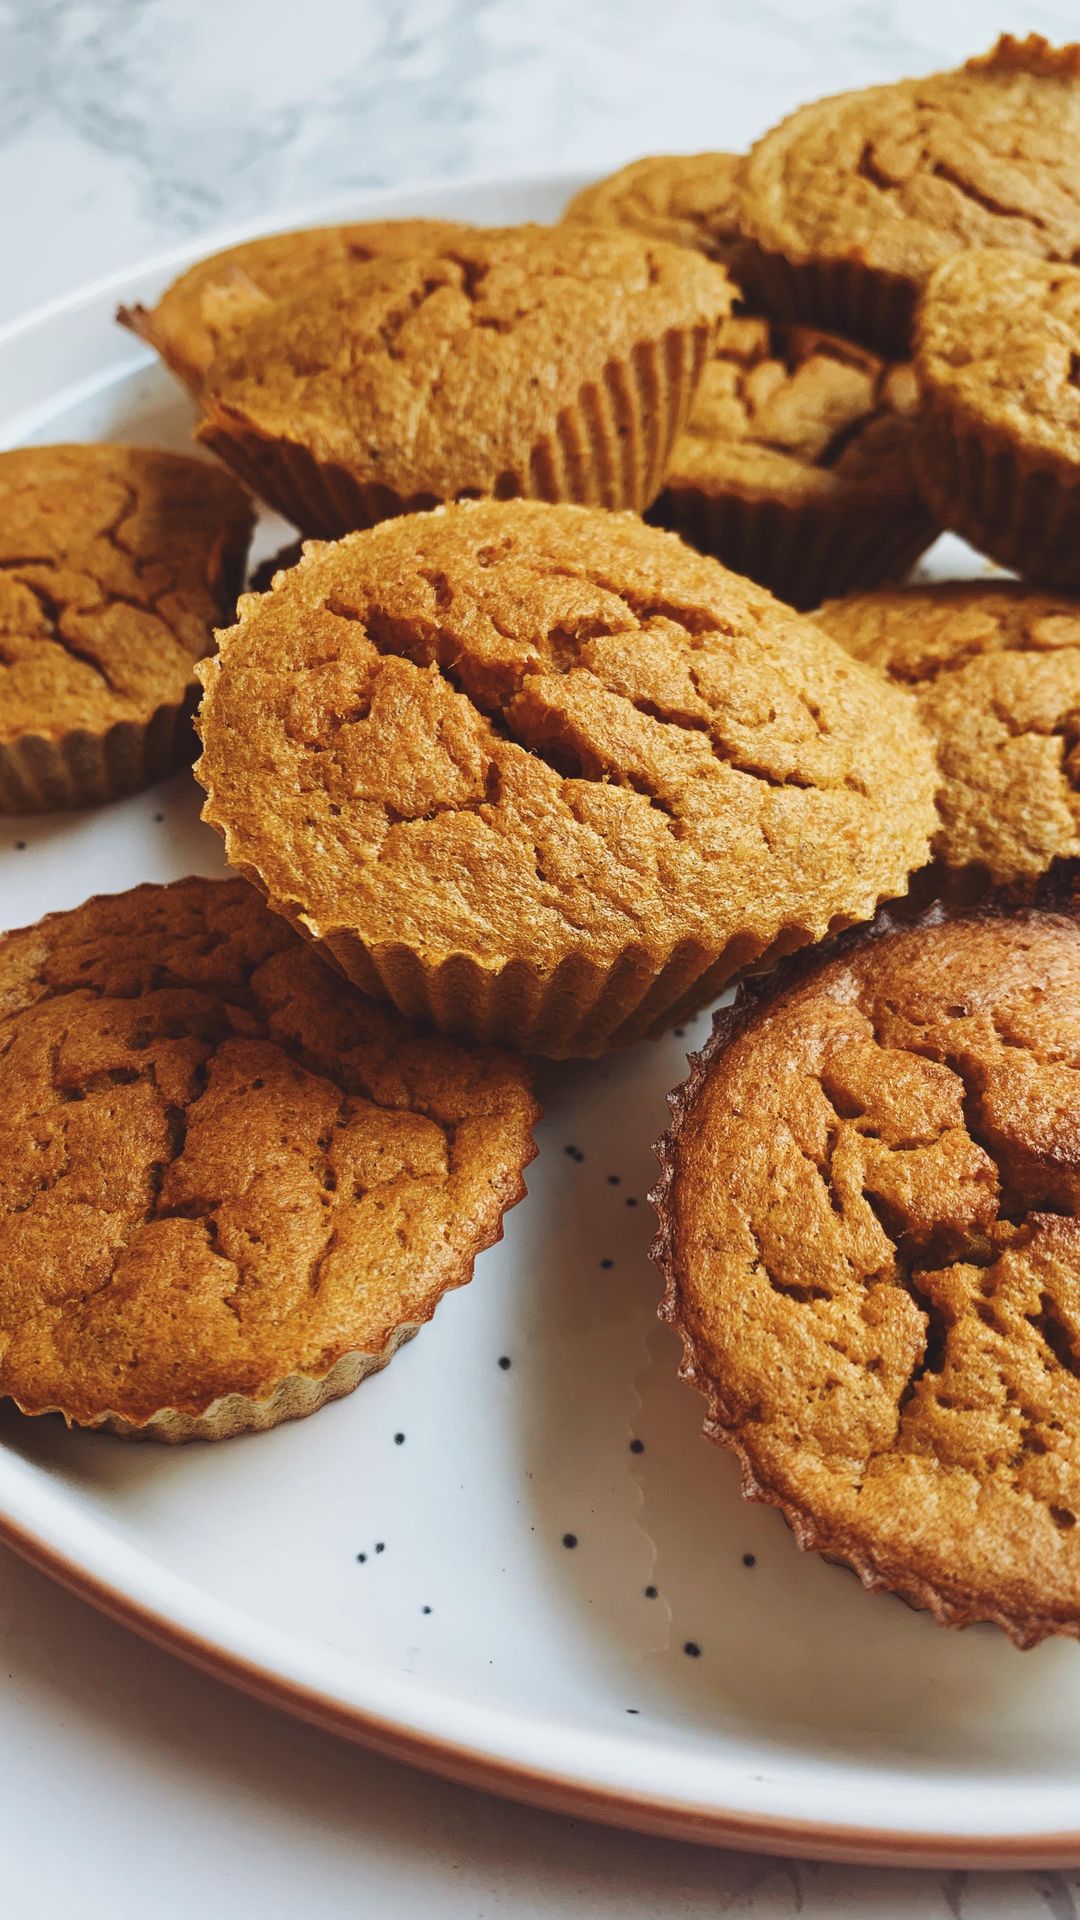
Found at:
[610, 448]
[579, 1009]
[848, 297]
[877, 1574]
[1023, 512]
[81, 768]
[807, 553]
[295, 1397]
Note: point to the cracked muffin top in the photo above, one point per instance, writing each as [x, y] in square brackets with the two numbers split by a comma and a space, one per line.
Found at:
[794, 414]
[688, 198]
[523, 732]
[220, 1163]
[998, 340]
[900, 177]
[115, 564]
[869, 1232]
[996, 674]
[449, 371]
[201, 312]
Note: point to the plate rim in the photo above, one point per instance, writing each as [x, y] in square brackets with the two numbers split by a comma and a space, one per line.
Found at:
[553, 1788]
[549, 1789]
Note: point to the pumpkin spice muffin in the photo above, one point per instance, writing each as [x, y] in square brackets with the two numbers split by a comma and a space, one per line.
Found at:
[996, 674]
[868, 1228]
[998, 442]
[688, 198]
[544, 774]
[231, 1185]
[795, 467]
[115, 563]
[556, 362]
[209, 304]
[849, 204]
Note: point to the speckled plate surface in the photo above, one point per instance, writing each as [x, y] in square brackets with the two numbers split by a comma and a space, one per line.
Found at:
[511, 1557]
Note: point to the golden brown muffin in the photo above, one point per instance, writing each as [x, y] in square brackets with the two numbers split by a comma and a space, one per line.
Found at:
[230, 1185]
[115, 564]
[868, 1229]
[555, 362]
[687, 198]
[198, 316]
[544, 774]
[850, 203]
[795, 467]
[998, 442]
[996, 673]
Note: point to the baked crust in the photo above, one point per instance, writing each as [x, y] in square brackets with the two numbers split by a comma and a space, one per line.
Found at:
[850, 203]
[201, 312]
[230, 1184]
[792, 414]
[549, 362]
[115, 565]
[998, 433]
[998, 342]
[552, 746]
[995, 671]
[869, 1238]
[687, 198]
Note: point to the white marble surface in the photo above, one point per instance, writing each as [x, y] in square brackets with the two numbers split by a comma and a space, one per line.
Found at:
[128, 1786]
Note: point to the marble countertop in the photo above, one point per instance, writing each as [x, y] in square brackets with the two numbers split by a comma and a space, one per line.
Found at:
[126, 125]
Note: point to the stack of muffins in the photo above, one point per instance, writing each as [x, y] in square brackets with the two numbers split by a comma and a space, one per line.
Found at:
[527, 750]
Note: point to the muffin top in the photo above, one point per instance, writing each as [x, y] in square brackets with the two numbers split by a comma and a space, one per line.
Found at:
[869, 1232]
[789, 413]
[998, 340]
[441, 373]
[520, 731]
[688, 198]
[900, 177]
[115, 563]
[203, 310]
[996, 673]
[221, 1163]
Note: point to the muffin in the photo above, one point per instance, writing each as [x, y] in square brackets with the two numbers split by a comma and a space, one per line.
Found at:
[850, 204]
[198, 316]
[115, 563]
[795, 466]
[998, 443]
[552, 362]
[996, 674]
[231, 1186]
[868, 1229]
[687, 198]
[545, 775]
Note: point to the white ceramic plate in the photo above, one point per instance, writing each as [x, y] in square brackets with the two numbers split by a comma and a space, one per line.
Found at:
[511, 1557]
